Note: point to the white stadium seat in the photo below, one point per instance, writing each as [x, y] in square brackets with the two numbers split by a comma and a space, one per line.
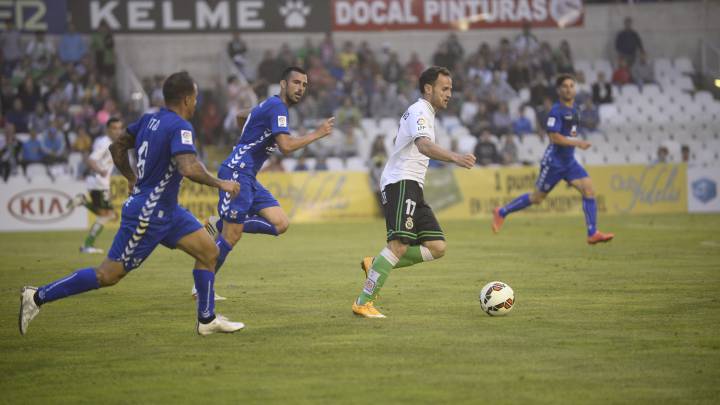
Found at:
[356, 164]
[335, 164]
[684, 65]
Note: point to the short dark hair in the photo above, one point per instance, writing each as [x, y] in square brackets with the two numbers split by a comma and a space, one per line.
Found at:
[177, 86]
[286, 73]
[430, 75]
[561, 79]
[111, 121]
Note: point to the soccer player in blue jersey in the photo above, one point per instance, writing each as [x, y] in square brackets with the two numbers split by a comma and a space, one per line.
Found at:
[165, 153]
[266, 129]
[559, 163]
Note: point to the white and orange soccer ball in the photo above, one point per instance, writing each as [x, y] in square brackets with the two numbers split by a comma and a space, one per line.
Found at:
[497, 298]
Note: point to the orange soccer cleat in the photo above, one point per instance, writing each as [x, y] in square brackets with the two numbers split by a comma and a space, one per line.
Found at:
[497, 221]
[599, 237]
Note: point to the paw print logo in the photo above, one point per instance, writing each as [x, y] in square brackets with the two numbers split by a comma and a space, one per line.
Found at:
[295, 13]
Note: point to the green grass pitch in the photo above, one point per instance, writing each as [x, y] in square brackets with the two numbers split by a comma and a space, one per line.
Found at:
[634, 321]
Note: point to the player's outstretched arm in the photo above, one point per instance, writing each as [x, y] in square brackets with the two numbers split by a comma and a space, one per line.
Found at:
[434, 151]
[558, 139]
[189, 166]
[289, 144]
[242, 117]
[119, 151]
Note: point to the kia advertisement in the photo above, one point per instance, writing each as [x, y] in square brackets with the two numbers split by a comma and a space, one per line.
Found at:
[41, 207]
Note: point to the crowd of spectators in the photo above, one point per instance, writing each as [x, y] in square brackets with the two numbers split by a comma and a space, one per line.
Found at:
[55, 97]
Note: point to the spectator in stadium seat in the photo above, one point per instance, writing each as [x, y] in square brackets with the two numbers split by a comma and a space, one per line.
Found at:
[621, 75]
[236, 50]
[393, 70]
[348, 113]
[301, 165]
[274, 164]
[564, 59]
[509, 150]
[40, 50]
[102, 44]
[83, 142]
[10, 149]
[589, 117]
[348, 147]
[526, 43]
[583, 88]
[53, 146]
[321, 163]
[685, 153]
[29, 93]
[541, 114]
[18, 116]
[39, 119]
[469, 108]
[442, 56]
[348, 56]
[663, 155]
[546, 61]
[455, 50]
[268, 71]
[414, 65]
[31, 152]
[499, 89]
[643, 71]
[628, 43]
[521, 124]
[327, 48]
[485, 150]
[385, 101]
[601, 90]
[482, 120]
[519, 73]
[11, 47]
[72, 47]
[502, 122]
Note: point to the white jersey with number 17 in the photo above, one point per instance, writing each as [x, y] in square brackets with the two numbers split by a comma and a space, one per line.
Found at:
[406, 162]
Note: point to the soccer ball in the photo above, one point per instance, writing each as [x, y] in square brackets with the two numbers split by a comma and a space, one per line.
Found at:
[497, 298]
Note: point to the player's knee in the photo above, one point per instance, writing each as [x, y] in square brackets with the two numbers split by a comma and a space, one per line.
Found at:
[438, 249]
[109, 277]
[398, 248]
[281, 225]
[588, 192]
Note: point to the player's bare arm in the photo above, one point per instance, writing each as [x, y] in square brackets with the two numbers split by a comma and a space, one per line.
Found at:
[119, 150]
[289, 144]
[189, 166]
[434, 151]
[558, 139]
[242, 117]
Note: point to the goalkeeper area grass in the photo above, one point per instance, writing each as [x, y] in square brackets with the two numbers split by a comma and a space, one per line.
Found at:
[632, 321]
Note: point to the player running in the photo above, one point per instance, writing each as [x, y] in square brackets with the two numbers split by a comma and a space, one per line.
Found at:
[559, 163]
[266, 129]
[165, 153]
[100, 163]
[413, 233]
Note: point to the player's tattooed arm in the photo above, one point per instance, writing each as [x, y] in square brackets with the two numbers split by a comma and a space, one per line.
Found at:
[558, 139]
[434, 151]
[289, 144]
[119, 150]
[189, 166]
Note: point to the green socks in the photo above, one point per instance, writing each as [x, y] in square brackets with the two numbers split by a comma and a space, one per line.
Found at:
[383, 263]
[413, 255]
[93, 234]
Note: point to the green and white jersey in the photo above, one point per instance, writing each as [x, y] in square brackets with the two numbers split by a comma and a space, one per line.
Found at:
[406, 162]
[101, 155]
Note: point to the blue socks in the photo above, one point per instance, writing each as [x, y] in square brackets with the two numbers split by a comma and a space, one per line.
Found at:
[225, 249]
[590, 209]
[76, 283]
[258, 224]
[516, 205]
[204, 284]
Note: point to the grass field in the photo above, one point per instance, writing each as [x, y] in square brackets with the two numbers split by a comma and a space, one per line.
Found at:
[635, 321]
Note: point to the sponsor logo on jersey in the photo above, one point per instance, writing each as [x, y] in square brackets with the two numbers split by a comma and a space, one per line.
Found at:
[186, 137]
[551, 121]
[282, 121]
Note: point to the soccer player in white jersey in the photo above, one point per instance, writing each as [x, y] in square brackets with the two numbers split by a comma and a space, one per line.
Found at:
[413, 232]
[101, 167]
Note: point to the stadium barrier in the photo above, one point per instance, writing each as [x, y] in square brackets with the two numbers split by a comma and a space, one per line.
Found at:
[40, 206]
[453, 194]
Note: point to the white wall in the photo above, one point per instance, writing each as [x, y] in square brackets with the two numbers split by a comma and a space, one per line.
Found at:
[667, 29]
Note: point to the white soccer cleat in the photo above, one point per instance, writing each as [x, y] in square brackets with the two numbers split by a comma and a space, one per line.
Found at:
[219, 325]
[211, 226]
[91, 250]
[28, 308]
[193, 292]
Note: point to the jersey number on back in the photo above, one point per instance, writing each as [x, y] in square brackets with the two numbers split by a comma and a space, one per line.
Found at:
[142, 155]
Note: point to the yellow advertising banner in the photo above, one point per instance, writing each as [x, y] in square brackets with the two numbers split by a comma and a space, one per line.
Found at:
[626, 189]
[454, 193]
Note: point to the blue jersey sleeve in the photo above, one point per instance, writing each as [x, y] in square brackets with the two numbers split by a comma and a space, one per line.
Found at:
[279, 120]
[134, 128]
[181, 140]
[554, 121]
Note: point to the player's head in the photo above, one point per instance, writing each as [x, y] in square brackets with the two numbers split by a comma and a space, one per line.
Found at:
[435, 85]
[293, 84]
[180, 94]
[565, 85]
[114, 128]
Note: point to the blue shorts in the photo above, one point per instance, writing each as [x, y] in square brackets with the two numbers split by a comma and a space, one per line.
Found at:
[551, 175]
[135, 241]
[252, 198]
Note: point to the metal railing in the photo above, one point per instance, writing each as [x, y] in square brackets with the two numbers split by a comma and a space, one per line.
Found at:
[129, 87]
